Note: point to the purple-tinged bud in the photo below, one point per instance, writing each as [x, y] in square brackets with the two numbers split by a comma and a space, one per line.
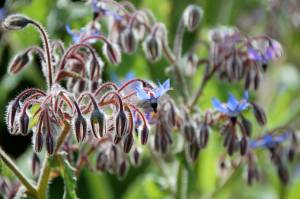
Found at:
[49, 143]
[35, 164]
[257, 79]
[252, 174]
[192, 17]
[39, 141]
[189, 131]
[136, 158]
[98, 123]
[123, 168]
[128, 40]
[291, 154]
[117, 139]
[247, 80]
[283, 174]
[152, 48]
[128, 142]
[203, 135]
[144, 135]
[193, 151]
[246, 126]
[259, 114]
[112, 53]
[15, 22]
[101, 162]
[80, 127]
[12, 110]
[18, 63]
[243, 145]
[232, 145]
[121, 123]
[24, 123]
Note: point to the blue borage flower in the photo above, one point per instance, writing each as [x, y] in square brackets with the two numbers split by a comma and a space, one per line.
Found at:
[155, 93]
[2, 13]
[232, 107]
[84, 32]
[129, 76]
[98, 8]
[269, 140]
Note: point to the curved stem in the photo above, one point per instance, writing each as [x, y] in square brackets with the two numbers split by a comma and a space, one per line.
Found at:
[31, 189]
[47, 47]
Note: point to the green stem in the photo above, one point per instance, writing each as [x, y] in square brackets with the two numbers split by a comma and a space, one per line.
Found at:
[31, 189]
[46, 170]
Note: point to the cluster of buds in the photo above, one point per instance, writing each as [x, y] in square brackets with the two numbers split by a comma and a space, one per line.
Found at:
[237, 57]
[112, 120]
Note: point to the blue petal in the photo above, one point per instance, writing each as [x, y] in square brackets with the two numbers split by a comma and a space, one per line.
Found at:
[246, 95]
[68, 29]
[219, 106]
[166, 84]
[232, 103]
[141, 94]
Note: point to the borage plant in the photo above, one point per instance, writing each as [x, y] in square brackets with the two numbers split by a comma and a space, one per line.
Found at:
[82, 121]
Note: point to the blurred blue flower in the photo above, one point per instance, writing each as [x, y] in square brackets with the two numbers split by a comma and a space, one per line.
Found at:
[269, 140]
[2, 13]
[129, 76]
[84, 32]
[273, 51]
[98, 7]
[155, 93]
[233, 106]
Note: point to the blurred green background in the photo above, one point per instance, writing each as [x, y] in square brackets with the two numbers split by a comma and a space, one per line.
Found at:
[279, 95]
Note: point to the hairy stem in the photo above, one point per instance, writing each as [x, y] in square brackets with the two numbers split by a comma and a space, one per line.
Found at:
[47, 48]
[30, 188]
[46, 170]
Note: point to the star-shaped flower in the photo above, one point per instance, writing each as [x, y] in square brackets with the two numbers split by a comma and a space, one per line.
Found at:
[232, 107]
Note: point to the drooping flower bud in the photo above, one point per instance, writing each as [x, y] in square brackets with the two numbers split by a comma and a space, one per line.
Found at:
[246, 126]
[128, 142]
[121, 123]
[12, 110]
[243, 145]
[35, 164]
[189, 131]
[193, 151]
[112, 53]
[101, 162]
[98, 123]
[152, 48]
[136, 158]
[39, 141]
[49, 143]
[283, 173]
[203, 135]
[259, 114]
[18, 63]
[128, 40]
[80, 127]
[144, 135]
[24, 123]
[123, 168]
[15, 22]
[192, 17]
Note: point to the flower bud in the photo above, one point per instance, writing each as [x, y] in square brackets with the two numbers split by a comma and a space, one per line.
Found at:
[121, 123]
[15, 22]
[192, 17]
[128, 40]
[123, 168]
[136, 158]
[283, 174]
[49, 143]
[98, 123]
[259, 114]
[246, 126]
[117, 139]
[35, 164]
[101, 162]
[203, 135]
[193, 151]
[39, 141]
[243, 145]
[191, 61]
[128, 142]
[152, 48]
[80, 128]
[112, 53]
[18, 63]
[12, 110]
[144, 135]
[24, 123]
[189, 131]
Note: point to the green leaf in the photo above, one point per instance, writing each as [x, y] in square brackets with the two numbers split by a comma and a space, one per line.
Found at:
[68, 174]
